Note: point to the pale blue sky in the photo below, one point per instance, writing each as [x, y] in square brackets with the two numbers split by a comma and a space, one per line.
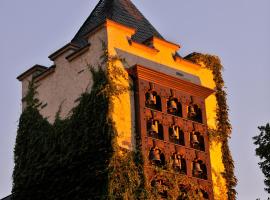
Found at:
[236, 30]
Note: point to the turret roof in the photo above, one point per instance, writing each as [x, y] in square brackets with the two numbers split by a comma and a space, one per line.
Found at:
[120, 11]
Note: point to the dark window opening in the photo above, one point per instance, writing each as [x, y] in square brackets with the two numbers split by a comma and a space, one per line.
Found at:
[176, 135]
[155, 129]
[153, 100]
[197, 141]
[199, 169]
[157, 157]
[174, 107]
[179, 163]
[195, 113]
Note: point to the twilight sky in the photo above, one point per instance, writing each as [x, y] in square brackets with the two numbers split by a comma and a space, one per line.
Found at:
[236, 30]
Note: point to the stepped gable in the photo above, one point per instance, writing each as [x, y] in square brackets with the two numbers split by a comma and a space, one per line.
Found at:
[120, 11]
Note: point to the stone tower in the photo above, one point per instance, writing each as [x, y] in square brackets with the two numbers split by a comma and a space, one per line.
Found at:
[169, 112]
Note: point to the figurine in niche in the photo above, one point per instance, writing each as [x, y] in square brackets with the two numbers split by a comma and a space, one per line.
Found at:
[199, 169]
[194, 112]
[197, 141]
[176, 135]
[156, 156]
[173, 106]
[175, 130]
[152, 99]
[194, 140]
[177, 162]
[155, 129]
[191, 111]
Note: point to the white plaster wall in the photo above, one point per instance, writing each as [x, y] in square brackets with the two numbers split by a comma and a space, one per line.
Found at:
[69, 80]
[25, 84]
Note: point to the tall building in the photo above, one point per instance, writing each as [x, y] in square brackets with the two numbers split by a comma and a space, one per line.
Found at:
[169, 112]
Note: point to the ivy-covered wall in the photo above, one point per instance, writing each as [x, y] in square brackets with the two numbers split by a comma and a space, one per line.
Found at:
[79, 157]
[221, 134]
[69, 159]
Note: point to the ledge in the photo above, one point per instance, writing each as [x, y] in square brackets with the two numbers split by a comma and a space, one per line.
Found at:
[129, 30]
[181, 60]
[32, 70]
[150, 50]
[77, 53]
[169, 81]
[155, 40]
[69, 46]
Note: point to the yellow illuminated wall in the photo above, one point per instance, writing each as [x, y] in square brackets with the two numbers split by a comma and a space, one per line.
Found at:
[123, 106]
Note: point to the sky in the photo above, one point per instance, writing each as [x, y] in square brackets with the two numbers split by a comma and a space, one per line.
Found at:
[238, 31]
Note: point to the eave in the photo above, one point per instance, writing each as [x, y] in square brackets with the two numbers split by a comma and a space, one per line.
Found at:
[69, 46]
[32, 70]
[150, 75]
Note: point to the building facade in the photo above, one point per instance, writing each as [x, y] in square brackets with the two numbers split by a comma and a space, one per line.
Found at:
[171, 108]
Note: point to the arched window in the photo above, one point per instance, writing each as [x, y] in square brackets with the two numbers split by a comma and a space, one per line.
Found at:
[176, 135]
[157, 157]
[195, 113]
[155, 129]
[178, 163]
[152, 100]
[199, 169]
[174, 107]
[197, 141]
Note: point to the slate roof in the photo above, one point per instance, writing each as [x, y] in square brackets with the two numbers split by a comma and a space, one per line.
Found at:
[121, 11]
[7, 198]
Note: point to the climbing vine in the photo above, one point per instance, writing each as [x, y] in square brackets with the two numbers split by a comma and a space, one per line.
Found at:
[79, 157]
[32, 131]
[223, 130]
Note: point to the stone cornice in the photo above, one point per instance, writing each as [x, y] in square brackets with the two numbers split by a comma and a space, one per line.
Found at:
[169, 81]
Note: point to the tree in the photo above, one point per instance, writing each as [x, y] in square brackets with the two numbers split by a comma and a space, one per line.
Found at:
[263, 151]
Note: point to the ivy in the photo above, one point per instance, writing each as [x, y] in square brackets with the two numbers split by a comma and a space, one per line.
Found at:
[32, 133]
[78, 157]
[223, 131]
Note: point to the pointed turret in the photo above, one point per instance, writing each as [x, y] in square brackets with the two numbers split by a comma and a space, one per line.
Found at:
[120, 11]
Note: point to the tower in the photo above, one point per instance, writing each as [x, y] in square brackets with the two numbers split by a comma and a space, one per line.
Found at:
[167, 115]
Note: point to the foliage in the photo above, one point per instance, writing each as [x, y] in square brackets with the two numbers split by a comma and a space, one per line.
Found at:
[263, 151]
[172, 185]
[79, 158]
[32, 132]
[223, 131]
[74, 158]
